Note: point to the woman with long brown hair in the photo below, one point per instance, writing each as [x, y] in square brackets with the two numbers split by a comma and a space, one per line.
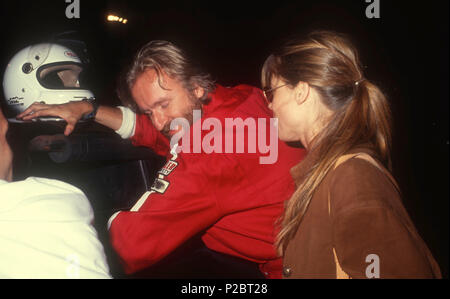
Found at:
[346, 218]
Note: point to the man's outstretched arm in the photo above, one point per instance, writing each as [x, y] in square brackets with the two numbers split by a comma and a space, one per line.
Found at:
[72, 112]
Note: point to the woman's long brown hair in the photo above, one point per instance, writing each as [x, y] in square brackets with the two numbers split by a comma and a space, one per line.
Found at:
[329, 63]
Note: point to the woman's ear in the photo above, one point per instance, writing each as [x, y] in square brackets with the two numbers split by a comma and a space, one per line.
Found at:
[301, 92]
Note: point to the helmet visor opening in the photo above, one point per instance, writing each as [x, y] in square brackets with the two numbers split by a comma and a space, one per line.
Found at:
[60, 76]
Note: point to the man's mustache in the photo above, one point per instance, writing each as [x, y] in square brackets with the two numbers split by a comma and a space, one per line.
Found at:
[195, 105]
[166, 130]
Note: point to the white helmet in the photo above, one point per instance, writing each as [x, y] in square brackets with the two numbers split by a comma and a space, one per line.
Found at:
[44, 72]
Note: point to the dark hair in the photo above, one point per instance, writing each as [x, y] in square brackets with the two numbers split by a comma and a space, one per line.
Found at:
[163, 56]
[329, 63]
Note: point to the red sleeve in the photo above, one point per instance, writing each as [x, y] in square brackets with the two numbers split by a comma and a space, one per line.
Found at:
[162, 220]
[147, 135]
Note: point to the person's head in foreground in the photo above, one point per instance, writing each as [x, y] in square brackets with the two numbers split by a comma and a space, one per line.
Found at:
[5, 151]
[47, 229]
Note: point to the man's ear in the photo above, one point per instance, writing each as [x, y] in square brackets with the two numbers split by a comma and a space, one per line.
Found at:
[301, 92]
[199, 92]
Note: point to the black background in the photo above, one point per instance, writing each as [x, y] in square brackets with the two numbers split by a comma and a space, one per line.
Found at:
[405, 52]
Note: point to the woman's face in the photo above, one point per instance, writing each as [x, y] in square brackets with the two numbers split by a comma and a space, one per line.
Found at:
[286, 109]
[300, 112]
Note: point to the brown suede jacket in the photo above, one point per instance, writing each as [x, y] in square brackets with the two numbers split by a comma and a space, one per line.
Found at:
[357, 227]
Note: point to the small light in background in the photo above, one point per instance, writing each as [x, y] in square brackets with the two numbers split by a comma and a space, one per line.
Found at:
[114, 18]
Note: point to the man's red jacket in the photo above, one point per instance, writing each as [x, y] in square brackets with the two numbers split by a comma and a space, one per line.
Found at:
[234, 198]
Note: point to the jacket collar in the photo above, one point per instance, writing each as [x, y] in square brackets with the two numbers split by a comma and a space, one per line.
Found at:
[299, 171]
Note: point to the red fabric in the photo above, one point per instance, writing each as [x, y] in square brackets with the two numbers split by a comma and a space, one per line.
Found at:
[232, 197]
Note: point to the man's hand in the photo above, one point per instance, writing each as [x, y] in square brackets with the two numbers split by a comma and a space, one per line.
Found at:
[71, 112]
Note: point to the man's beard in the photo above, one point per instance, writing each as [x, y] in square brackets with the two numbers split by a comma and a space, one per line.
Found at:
[188, 115]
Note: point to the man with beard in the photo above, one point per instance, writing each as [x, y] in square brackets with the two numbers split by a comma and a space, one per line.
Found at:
[231, 200]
